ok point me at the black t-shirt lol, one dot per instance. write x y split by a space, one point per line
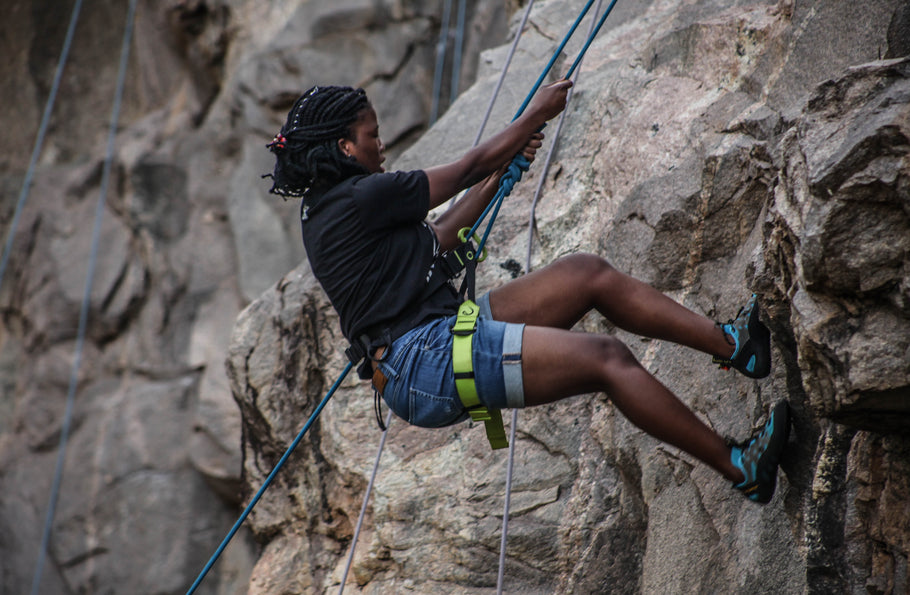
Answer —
372 251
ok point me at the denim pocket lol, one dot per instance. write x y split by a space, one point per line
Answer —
422 388
432 411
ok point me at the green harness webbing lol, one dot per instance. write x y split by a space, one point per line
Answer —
462 353
463 366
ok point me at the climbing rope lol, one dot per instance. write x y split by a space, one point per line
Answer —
512 176
268 480
507 500
42 132
457 53
500 80
441 46
86 298
531 224
502 73
509 179
366 500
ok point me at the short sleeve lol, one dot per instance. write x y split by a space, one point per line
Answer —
392 199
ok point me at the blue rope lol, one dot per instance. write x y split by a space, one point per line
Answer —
513 175
537 84
268 480
590 40
39 140
86 298
556 54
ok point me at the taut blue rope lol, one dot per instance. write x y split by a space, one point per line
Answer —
516 168
509 179
268 480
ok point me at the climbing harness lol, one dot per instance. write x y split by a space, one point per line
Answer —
361 348
463 367
462 354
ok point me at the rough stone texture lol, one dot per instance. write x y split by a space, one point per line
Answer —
713 149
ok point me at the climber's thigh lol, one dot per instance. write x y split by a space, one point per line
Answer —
557 363
558 295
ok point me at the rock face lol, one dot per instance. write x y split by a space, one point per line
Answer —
712 149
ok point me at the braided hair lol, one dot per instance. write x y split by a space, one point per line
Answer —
306 149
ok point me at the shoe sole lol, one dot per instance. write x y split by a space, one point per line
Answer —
762 491
758 335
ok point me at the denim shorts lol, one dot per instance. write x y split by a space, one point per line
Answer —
421 383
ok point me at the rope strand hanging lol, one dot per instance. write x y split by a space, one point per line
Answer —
509 179
268 480
366 500
441 45
39 139
366 497
86 298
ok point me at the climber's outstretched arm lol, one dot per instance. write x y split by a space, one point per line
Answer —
468 209
487 157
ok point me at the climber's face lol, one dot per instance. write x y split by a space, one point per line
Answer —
365 145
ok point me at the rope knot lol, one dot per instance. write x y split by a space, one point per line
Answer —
517 167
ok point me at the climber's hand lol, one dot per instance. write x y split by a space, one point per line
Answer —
551 100
530 149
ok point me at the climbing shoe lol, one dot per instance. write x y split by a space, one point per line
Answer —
758 457
751 340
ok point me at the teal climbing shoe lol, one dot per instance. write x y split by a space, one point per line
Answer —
759 457
751 340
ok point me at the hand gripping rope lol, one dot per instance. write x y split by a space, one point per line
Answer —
462 364
513 174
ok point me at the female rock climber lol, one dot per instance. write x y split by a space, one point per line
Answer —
372 249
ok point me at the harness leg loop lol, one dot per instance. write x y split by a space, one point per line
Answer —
463 367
